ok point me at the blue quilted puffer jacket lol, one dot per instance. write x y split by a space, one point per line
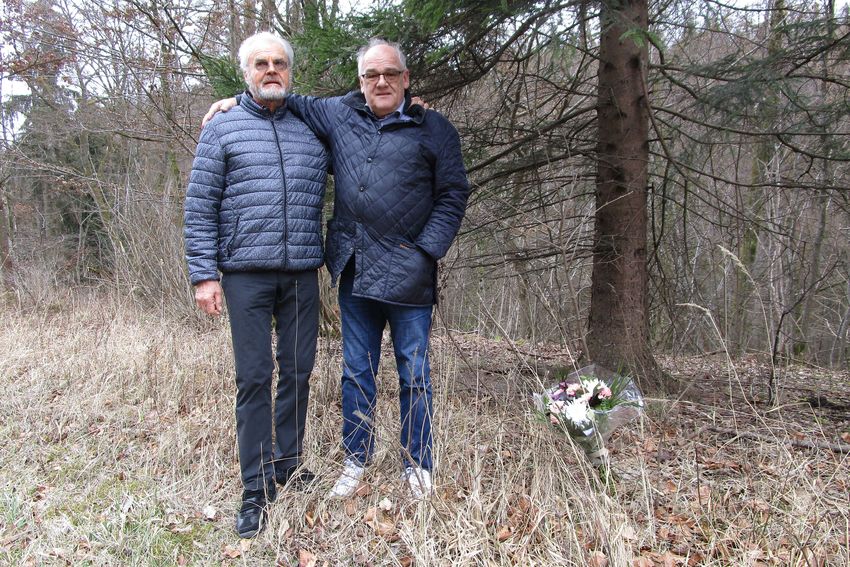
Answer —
400 194
255 194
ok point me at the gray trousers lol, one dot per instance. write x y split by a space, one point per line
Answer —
258 302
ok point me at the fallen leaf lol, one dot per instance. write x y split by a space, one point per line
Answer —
306 558
177 528
503 533
385 530
524 503
363 490
381 525
628 533
663 455
245 544
350 507
757 504
40 492
669 559
598 559
406 561
642 562
230 552
310 518
845 436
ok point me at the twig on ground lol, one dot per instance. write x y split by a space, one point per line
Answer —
836 447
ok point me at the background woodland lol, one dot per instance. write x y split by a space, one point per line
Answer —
746 181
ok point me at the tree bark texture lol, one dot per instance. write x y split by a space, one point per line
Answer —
7 273
618 327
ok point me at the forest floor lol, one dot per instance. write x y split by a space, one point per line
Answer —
118 448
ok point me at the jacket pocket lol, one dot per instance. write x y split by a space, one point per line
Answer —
410 275
230 243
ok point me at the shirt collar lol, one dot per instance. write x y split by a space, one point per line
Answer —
396 115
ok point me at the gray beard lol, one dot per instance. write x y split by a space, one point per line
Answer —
270 94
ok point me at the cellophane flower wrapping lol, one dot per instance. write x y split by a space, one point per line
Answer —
589 405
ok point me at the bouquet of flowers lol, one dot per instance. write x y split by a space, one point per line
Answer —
588 405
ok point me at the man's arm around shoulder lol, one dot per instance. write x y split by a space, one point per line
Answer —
319 114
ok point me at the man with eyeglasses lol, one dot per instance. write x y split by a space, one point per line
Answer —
253 232
400 195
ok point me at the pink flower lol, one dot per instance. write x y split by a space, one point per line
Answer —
605 393
553 419
573 388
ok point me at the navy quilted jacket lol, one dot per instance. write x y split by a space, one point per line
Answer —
400 195
255 194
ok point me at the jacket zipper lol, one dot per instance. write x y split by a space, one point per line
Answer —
285 195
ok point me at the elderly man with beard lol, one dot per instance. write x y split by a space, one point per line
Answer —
253 224
400 196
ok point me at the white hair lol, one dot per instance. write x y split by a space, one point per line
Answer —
259 40
374 42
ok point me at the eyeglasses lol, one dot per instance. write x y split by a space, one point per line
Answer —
374 76
263 64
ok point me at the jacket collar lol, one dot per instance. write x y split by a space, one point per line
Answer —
357 101
255 108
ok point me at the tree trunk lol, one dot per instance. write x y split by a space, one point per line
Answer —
618 327
750 234
269 16
7 268
249 22
822 202
234 29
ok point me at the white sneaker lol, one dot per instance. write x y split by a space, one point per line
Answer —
349 480
419 481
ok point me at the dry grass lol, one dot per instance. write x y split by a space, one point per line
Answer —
119 449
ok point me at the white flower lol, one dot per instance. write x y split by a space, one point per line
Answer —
577 412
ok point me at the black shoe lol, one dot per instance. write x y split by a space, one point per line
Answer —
254 512
299 477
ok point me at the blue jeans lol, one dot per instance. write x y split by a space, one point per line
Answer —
363 322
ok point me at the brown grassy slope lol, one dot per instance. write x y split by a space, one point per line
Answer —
118 448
